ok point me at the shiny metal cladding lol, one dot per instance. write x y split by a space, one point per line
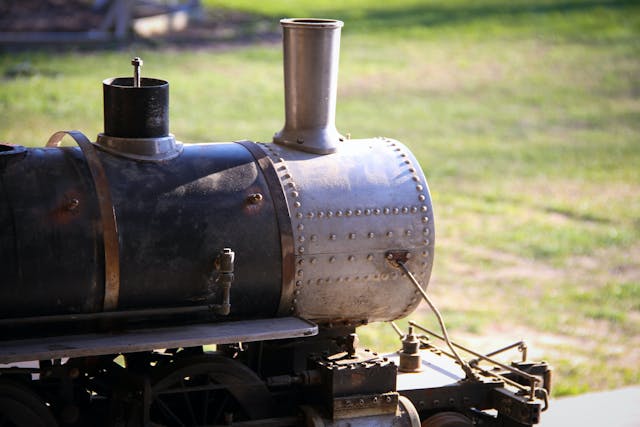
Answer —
311 54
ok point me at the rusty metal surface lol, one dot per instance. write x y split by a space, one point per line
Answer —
107 216
284 224
149 339
173 219
49 204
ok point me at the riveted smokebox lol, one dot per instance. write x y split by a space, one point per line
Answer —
311 55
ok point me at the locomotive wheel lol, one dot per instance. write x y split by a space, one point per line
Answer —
21 407
207 390
447 419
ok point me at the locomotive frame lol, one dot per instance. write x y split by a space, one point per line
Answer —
116 345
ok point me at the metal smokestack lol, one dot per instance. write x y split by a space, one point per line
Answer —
311 55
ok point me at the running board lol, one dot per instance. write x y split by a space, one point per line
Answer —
154 338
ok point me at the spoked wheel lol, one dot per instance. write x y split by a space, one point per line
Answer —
447 419
21 407
207 390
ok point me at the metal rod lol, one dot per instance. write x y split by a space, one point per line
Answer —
484 371
137 65
531 378
395 328
465 366
520 344
481 356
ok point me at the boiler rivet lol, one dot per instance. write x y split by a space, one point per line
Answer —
300 227
425 219
349 212
313 261
254 198
358 212
314 237
310 215
339 213
352 258
73 204
376 211
405 210
371 235
424 208
370 257
419 187
296 204
332 237
294 193
421 197
386 211
332 259
301 239
389 233
329 214
367 212
352 236
301 249
396 211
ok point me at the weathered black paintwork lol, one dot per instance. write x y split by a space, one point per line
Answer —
136 112
173 219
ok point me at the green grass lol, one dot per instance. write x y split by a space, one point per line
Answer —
526 120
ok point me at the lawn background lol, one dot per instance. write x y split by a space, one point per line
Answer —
525 117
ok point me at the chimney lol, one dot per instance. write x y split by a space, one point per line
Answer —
311 54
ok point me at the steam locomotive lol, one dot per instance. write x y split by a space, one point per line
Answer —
150 282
